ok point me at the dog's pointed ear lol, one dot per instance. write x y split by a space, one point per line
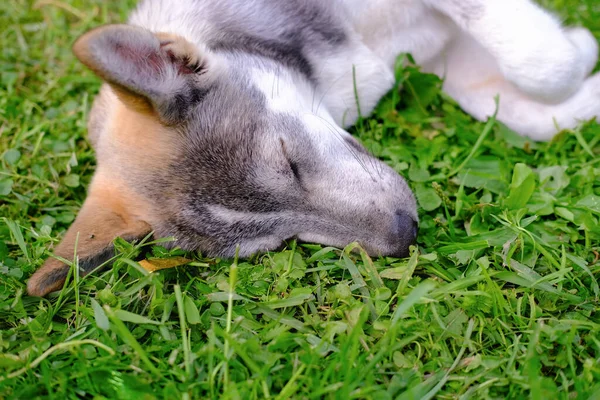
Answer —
105 215
155 72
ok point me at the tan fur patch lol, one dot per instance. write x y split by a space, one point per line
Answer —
42 282
132 146
129 147
110 210
137 140
126 137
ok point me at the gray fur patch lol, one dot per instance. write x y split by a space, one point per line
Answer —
253 169
290 32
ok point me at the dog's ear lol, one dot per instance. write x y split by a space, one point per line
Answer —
154 72
106 214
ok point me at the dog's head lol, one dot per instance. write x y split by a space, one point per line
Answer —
220 150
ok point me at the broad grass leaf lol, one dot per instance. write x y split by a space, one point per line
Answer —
224 296
6 186
15 230
478 225
12 156
514 139
565 213
216 309
280 261
100 315
423 90
291 262
453 248
71 180
127 316
14 272
359 282
591 202
296 297
371 269
341 291
416 174
420 390
3 250
382 293
298 266
527 277
457 285
416 295
455 321
402 361
323 347
496 237
8 79
10 361
554 178
116 385
581 263
429 257
541 203
484 172
191 311
324 253
282 318
394 273
585 219
428 198
521 187
584 176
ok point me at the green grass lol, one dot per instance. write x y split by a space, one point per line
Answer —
499 300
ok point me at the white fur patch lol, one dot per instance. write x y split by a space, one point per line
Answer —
291 94
534 64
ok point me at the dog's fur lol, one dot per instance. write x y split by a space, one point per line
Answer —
220 122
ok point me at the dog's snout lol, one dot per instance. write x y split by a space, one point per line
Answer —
406 227
405 230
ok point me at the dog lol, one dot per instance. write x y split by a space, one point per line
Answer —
221 122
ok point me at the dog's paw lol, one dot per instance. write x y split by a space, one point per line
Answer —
587 45
591 86
555 68
583 106
186 54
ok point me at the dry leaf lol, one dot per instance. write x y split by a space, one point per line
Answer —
157 264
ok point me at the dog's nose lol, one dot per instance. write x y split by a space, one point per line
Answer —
406 226
405 230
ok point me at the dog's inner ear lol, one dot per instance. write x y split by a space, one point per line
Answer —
107 213
151 72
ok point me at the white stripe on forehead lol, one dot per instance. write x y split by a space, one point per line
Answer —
290 93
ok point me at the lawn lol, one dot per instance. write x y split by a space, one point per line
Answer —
499 299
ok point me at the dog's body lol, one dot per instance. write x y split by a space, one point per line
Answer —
507 48
221 121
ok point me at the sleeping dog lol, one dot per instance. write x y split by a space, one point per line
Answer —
221 122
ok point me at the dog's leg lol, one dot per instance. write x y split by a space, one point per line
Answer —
473 78
532 50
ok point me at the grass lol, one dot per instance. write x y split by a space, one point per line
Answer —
499 299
